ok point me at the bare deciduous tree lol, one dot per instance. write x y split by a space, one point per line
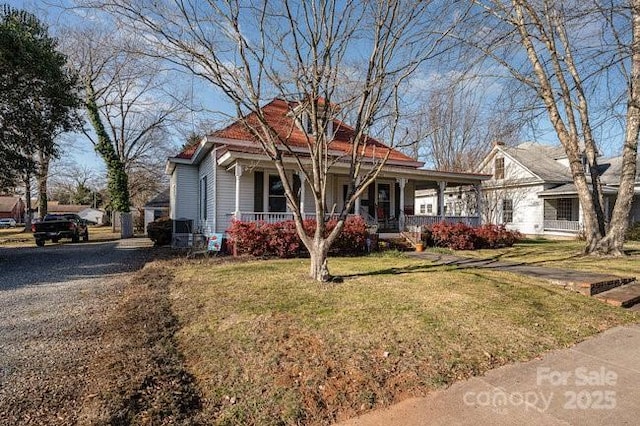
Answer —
304 51
463 120
133 107
570 54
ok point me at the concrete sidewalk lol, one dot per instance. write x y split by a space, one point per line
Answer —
592 383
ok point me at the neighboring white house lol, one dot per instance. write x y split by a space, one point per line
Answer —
99 217
156 208
531 190
226 175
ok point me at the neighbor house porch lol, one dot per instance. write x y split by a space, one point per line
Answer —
563 212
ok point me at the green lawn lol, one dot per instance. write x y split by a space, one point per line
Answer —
268 346
564 254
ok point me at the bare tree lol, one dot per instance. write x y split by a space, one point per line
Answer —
320 54
570 54
132 106
68 179
463 121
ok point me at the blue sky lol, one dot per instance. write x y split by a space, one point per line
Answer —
203 94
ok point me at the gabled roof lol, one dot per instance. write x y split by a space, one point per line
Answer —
541 160
277 114
611 168
160 200
7 203
54 207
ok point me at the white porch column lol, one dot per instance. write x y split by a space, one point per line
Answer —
479 201
401 183
238 170
303 183
356 207
441 187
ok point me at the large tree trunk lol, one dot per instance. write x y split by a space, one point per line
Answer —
117 179
27 196
319 270
42 176
613 242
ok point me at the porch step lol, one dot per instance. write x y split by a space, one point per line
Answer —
602 285
396 242
625 296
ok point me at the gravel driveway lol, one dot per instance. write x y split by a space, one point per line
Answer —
53 305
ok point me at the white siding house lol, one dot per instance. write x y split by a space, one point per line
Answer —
225 176
531 190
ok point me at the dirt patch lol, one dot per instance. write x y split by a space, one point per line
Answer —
140 378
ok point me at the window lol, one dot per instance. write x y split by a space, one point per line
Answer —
507 211
203 198
498 168
422 209
306 123
277 200
564 209
429 208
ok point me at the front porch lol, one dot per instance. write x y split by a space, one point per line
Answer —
388 204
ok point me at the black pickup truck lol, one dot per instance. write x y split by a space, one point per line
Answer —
56 226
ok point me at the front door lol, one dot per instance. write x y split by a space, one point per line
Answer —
384 200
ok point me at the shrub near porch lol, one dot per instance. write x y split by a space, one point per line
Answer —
269 346
280 239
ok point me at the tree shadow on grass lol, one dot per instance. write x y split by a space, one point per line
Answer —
448 262
422 268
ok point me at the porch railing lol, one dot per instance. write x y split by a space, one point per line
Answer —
562 225
411 221
272 217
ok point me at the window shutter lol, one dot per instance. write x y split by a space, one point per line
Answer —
258 191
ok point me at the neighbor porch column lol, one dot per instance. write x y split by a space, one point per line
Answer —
441 187
238 170
479 201
302 194
401 183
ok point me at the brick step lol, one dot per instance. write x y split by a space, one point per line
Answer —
601 285
625 296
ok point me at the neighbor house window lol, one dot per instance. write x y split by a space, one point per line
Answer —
498 168
564 209
422 209
277 199
507 211
203 198
429 208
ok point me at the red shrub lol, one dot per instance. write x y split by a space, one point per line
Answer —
281 239
353 237
456 236
496 236
459 236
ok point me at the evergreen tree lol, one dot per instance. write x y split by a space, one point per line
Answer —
38 95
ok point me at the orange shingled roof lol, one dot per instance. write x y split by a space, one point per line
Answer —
277 114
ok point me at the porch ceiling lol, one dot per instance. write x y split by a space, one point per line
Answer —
423 178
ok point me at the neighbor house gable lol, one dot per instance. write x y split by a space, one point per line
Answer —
529 162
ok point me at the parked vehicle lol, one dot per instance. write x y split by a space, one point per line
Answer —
56 226
7 223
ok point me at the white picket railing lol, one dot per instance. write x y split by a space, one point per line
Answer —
412 221
562 225
273 217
